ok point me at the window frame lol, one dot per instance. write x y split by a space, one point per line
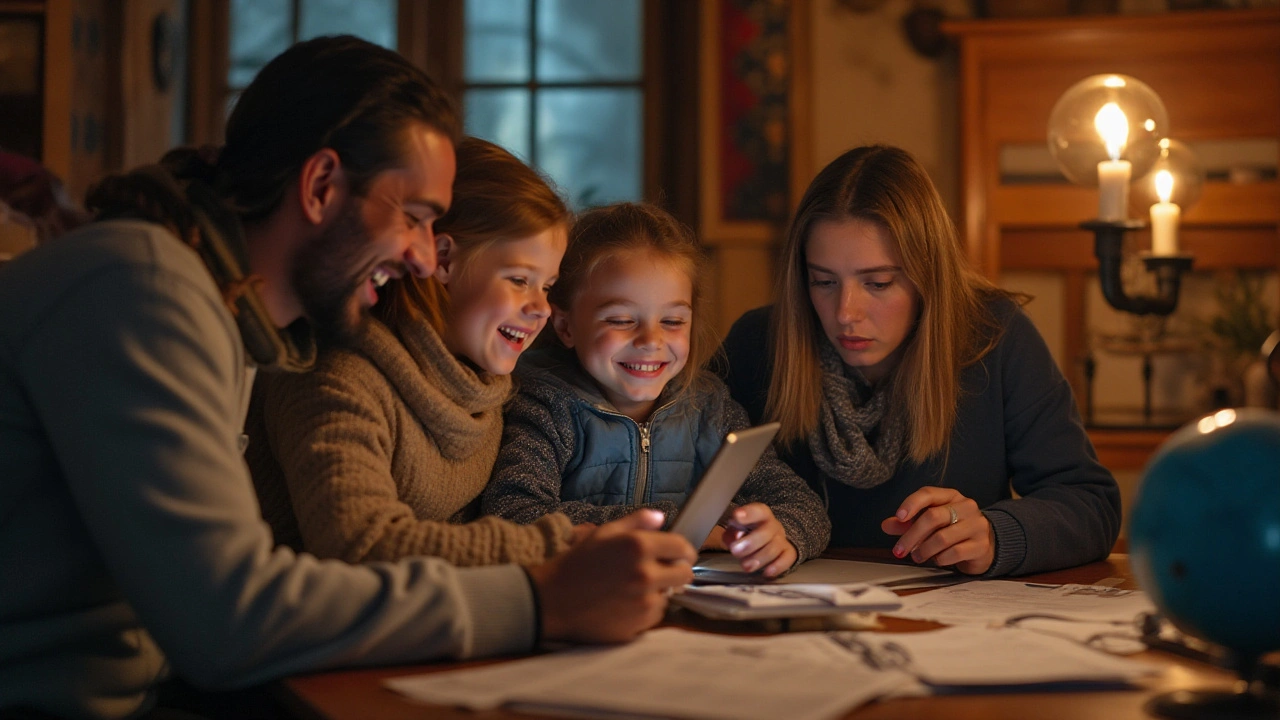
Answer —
430 34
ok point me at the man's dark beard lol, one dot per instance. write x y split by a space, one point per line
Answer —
330 271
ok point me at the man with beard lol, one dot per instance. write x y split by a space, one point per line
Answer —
130 537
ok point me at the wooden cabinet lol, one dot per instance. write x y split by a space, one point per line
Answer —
1218 73
100 105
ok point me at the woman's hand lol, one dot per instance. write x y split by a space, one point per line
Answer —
942 525
758 540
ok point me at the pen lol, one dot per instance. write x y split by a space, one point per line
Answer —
1041 585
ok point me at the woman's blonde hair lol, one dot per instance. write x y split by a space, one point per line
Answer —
626 227
886 186
496 198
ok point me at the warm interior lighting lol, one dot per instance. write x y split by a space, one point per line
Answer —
1220 419
1164 185
1113 126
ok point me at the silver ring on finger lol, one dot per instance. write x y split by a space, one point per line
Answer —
955 518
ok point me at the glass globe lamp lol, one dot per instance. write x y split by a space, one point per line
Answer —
1104 131
1186 178
1103 118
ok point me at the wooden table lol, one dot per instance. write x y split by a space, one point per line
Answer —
359 695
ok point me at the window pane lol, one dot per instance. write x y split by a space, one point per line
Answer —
501 116
497 41
373 20
589 40
260 30
589 141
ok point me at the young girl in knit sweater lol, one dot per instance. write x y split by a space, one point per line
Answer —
623 414
383 450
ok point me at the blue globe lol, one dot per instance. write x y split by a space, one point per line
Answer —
1205 530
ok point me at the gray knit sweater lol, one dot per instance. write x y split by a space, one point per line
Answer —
564 441
130 537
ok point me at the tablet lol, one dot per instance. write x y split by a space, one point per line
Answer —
734 460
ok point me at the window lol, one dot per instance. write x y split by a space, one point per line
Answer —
565 84
561 84
262 29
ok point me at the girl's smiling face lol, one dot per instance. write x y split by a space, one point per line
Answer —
629 325
498 298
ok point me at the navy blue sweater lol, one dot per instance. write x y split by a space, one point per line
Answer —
1017 430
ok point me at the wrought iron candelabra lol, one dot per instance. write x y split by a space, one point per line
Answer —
1168 269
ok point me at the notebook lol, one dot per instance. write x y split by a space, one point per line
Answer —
734 460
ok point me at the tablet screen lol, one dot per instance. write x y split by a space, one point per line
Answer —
729 468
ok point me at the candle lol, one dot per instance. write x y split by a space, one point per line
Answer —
1164 217
1113 190
1113 174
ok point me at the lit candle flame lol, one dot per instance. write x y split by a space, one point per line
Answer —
1113 126
1164 185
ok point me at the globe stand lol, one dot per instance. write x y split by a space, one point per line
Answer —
1259 700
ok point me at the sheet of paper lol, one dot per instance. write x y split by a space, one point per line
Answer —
999 601
724 568
675 673
490 686
1113 638
799 595
976 657
764 601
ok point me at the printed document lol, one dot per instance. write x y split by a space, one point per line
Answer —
984 657
807 676
749 602
1000 602
674 673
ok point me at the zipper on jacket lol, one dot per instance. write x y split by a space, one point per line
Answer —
642 470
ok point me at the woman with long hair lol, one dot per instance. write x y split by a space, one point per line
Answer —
912 392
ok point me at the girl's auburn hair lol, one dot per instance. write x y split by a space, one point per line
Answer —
955 328
625 228
496 198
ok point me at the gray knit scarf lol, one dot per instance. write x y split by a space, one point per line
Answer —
851 410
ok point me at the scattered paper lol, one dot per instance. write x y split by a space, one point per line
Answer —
982 657
1007 634
750 602
1002 602
674 673
1109 637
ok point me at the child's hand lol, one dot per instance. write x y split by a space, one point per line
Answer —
758 540
715 540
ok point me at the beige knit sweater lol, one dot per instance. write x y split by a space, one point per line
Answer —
382 452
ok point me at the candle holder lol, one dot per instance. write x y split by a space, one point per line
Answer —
1168 269
1104 131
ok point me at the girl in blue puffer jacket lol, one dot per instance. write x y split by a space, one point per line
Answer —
623 414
